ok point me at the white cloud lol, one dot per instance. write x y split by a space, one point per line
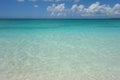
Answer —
78 9
95 9
27 0
116 9
57 10
36 6
20 0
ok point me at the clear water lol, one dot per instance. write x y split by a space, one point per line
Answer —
59 49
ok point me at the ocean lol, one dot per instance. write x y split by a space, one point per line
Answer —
59 49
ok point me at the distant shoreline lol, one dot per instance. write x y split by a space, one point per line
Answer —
59 18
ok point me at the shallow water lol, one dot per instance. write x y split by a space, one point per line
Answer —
59 49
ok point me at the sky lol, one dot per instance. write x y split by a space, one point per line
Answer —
59 8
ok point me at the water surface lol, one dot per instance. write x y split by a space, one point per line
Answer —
59 49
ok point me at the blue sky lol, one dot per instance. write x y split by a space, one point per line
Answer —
59 8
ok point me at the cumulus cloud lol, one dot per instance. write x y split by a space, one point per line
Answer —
95 9
57 10
116 9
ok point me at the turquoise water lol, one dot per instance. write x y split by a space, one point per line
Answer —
59 49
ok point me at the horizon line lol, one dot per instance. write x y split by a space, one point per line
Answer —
56 18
